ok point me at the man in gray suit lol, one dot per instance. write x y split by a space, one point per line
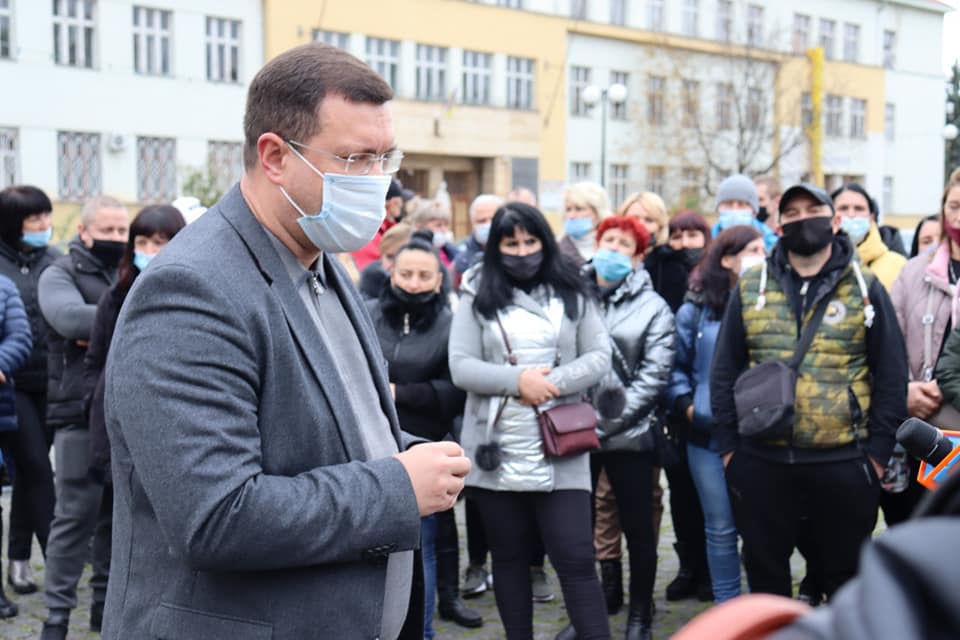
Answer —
262 489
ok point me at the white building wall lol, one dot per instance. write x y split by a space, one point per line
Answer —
112 99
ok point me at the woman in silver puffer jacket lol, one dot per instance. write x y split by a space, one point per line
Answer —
560 349
642 332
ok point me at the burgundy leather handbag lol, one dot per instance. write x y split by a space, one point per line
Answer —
565 429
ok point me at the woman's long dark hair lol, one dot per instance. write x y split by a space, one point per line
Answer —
495 289
710 278
156 218
915 245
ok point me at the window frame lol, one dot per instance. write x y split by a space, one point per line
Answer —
142 33
7 46
91 173
85 26
157 174
223 47
828 44
656 100
338 39
851 42
802 24
9 157
755 18
619 111
691 18
578 107
383 55
619 181
432 68
725 20
476 78
520 83
858 119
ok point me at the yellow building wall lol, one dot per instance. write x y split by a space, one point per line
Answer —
839 78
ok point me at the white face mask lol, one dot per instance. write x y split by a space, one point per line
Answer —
441 238
748 262
351 214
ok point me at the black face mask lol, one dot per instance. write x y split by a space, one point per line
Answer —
808 236
522 268
763 214
691 257
108 252
412 299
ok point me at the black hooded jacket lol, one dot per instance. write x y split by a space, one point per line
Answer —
414 342
669 270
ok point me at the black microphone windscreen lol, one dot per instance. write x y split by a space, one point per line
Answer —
924 441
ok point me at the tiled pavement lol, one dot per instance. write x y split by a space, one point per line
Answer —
549 618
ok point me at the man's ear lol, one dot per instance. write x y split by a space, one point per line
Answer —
271 156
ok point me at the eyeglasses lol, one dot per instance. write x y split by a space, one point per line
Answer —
361 164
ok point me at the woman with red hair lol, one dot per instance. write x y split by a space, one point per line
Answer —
641 331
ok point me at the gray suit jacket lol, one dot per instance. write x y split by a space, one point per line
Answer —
244 507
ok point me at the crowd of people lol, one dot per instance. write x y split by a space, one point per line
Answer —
552 377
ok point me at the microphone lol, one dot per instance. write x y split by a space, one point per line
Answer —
938 450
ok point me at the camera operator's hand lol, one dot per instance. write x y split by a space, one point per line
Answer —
534 386
437 471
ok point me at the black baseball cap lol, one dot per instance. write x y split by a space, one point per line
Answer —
805 189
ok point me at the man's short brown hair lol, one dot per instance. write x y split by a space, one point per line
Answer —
772 184
285 96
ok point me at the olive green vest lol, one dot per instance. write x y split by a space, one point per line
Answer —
834 365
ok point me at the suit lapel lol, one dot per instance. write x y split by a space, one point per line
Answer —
302 327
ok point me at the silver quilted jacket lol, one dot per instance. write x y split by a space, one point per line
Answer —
539 331
642 326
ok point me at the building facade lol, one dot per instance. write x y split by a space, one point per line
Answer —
122 98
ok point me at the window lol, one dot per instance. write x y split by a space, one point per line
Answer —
151 41
889 121
690 185
691 102
73 31
833 115
156 169
619 111
476 77
333 38
887 204
579 79
691 17
579 171
655 180
889 49
619 174
431 72
827 37
384 56
6 15
618 12
851 42
754 25
578 9
755 109
9 175
519 83
655 90
724 20
510 4
223 50
78 165
724 105
806 110
858 118
655 15
224 163
801 34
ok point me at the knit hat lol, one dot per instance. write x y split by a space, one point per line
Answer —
738 187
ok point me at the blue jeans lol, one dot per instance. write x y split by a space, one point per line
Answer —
428 545
706 467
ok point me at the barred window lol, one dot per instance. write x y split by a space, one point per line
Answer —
519 83
333 38
78 165
619 111
6 36
74 25
858 118
431 72
384 56
579 80
151 41
223 50
9 165
225 163
477 69
156 169
619 175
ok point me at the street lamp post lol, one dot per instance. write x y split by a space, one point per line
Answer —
616 94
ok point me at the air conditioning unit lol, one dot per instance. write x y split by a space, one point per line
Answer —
116 142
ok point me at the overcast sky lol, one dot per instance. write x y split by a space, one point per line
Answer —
951 36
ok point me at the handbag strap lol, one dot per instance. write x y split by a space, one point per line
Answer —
512 359
928 319
806 336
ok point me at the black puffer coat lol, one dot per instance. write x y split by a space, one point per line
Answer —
414 342
669 271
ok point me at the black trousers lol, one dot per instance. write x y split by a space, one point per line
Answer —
565 522
477 547
28 453
631 479
687 516
839 500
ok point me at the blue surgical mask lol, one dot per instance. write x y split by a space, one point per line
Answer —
37 239
482 233
577 227
735 217
612 265
141 260
351 214
856 228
